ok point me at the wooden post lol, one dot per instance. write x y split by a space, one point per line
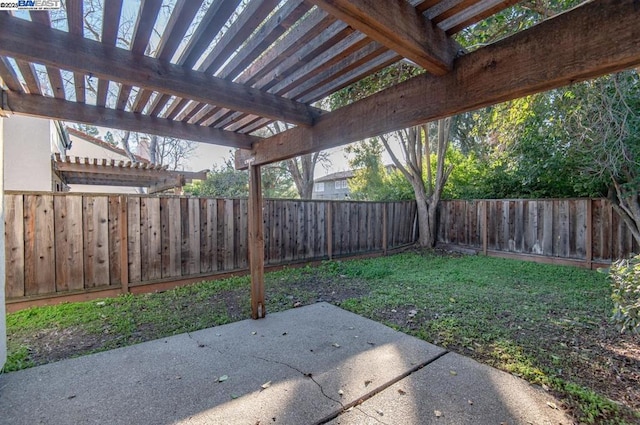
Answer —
485 231
588 240
330 230
3 327
256 243
385 236
123 221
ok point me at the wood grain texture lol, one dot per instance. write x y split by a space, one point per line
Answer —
522 64
96 244
400 27
69 243
14 246
26 41
39 250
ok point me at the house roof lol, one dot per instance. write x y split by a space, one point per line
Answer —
340 175
218 72
101 143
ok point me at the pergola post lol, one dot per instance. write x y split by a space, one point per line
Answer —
256 243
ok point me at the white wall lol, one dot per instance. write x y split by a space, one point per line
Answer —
27 152
3 323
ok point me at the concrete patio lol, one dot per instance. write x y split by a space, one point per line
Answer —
310 365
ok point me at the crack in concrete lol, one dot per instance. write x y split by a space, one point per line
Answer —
203 345
306 375
378 390
370 416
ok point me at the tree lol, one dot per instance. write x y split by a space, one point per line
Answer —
415 145
277 181
368 178
605 126
301 168
221 182
170 151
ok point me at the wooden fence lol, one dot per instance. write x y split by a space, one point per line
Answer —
568 231
62 244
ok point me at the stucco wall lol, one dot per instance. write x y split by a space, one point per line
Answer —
27 152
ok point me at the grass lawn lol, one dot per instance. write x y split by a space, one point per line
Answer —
547 324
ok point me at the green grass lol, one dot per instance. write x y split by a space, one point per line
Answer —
539 322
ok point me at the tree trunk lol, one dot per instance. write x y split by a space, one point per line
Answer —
427 216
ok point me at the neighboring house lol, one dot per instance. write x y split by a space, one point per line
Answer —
44 156
332 186
29 143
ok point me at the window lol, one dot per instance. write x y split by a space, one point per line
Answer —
319 187
341 184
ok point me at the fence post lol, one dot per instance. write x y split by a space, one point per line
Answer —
589 236
485 231
385 239
124 243
329 230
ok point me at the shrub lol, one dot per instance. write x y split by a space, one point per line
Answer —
625 281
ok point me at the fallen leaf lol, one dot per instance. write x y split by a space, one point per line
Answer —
223 378
297 304
393 310
380 412
265 385
453 372
366 383
437 413
452 300
552 405
401 391
234 396
335 344
412 313
341 393
545 387
254 333
470 402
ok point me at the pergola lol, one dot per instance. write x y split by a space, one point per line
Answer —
221 73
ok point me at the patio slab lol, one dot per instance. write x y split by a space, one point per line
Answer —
301 366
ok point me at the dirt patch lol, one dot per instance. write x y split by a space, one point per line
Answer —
51 345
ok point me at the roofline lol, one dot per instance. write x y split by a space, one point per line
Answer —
103 144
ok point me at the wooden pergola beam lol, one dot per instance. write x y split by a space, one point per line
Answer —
104 117
35 43
397 25
555 53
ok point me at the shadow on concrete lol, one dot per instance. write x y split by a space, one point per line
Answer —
302 366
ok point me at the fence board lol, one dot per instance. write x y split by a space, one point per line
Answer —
133 236
69 243
229 231
114 241
39 255
151 239
14 245
170 236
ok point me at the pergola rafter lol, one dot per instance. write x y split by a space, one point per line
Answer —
221 71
